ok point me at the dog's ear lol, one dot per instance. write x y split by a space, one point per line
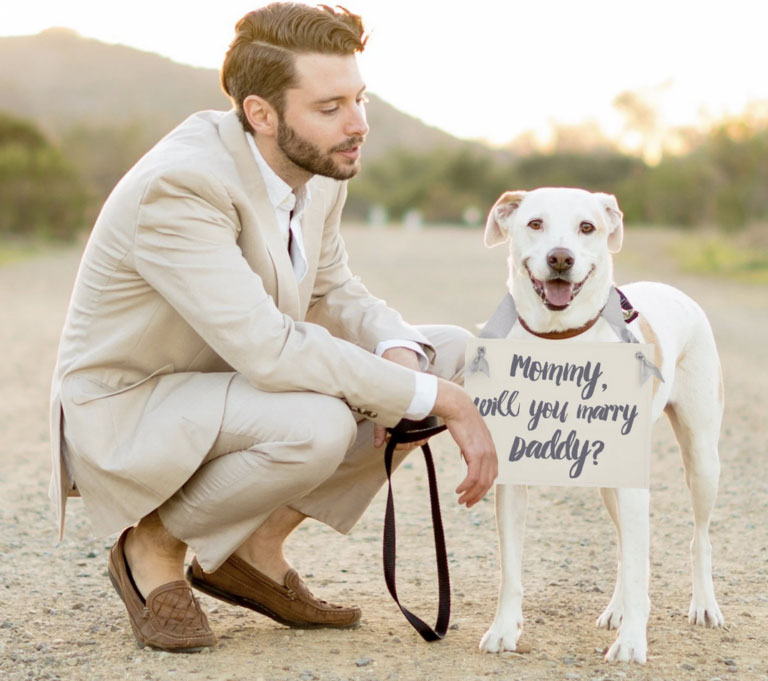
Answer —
496 227
614 220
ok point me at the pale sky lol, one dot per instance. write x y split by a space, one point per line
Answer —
485 69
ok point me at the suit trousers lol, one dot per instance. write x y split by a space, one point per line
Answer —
301 449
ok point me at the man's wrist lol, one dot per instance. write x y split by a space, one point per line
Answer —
424 397
448 399
385 348
425 385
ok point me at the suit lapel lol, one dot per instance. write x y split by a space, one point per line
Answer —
312 225
287 293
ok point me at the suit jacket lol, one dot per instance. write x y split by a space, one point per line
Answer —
184 281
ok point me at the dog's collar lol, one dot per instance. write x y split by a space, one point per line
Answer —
628 314
618 312
561 335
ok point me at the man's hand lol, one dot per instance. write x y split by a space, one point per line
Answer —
408 358
470 433
466 426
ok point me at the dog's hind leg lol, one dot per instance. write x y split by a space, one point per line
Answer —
611 616
695 410
697 429
631 640
511 504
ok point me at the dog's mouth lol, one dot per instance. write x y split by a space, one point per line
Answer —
557 293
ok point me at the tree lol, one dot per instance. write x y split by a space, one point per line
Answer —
444 185
103 153
40 192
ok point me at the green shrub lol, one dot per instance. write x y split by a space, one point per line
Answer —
40 192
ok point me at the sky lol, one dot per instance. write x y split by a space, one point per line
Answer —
485 69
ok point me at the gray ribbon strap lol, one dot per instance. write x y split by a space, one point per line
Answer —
502 320
614 315
647 369
480 363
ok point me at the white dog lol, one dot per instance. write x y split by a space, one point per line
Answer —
561 273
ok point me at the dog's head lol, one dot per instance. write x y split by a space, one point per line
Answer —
560 244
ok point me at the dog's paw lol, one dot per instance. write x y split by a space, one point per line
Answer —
628 648
502 637
706 614
611 617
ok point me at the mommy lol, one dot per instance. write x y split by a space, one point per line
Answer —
585 375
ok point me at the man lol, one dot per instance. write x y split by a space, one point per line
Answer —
220 370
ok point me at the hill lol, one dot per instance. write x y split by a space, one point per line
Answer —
66 82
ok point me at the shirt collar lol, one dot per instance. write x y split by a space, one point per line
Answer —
281 196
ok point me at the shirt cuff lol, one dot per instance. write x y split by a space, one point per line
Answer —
382 347
424 397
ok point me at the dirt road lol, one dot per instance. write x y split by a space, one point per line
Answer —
60 619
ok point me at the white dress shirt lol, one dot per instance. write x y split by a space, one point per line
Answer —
289 206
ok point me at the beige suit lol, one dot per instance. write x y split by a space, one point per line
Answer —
185 283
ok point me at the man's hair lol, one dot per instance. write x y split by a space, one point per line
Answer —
261 59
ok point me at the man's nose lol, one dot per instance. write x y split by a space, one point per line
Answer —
357 124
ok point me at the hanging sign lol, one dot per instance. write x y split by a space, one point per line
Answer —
575 414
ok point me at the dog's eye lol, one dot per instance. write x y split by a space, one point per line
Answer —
535 224
586 228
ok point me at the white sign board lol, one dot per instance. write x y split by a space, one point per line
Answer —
575 414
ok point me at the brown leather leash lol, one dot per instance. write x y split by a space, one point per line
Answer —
404 432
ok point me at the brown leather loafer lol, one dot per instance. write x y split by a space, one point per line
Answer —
171 618
238 583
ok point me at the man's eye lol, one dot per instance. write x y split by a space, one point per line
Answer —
330 110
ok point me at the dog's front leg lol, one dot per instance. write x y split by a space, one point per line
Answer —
511 504
631 641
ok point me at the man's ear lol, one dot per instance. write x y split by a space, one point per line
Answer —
614 220
261 115
497 225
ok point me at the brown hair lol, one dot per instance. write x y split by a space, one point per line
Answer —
260 60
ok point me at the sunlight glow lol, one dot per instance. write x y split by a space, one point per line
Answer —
490 70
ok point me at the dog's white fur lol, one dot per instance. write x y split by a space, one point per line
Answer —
588 228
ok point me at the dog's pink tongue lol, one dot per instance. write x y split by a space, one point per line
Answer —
558 292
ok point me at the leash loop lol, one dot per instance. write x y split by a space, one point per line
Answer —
404 432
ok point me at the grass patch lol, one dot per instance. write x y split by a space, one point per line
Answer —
12 251
715 255
17 248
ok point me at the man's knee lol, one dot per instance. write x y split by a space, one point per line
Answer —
333 431
450 343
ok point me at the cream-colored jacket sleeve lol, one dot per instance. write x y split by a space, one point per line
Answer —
186 249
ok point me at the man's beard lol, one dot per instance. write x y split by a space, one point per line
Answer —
308 156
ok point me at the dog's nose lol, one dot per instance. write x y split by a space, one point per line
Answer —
560 259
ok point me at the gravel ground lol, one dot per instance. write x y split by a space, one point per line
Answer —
60 619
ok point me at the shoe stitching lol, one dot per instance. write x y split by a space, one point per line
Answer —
174 613
310 601
170 617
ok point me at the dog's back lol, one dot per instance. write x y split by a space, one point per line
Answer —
685 349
